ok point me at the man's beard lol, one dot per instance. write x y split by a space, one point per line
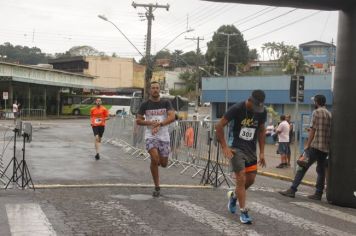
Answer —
155 95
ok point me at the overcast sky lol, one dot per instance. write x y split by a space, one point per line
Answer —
56 26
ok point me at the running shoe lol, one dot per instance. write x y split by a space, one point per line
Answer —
231 205
97 156
245 218
156 192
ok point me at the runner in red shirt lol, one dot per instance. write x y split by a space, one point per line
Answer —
98 115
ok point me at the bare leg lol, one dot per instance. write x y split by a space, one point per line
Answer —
155 160
250 179
97 143
241 188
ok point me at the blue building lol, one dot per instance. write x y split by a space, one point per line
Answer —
215 89
319 55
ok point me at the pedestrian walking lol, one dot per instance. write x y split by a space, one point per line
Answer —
317 148
283 141
249 118
156 114
98 115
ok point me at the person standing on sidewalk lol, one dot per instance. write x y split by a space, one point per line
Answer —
291 136
156 114
98 115
317 147
15 110
283 141
249 124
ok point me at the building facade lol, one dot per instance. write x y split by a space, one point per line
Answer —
109 72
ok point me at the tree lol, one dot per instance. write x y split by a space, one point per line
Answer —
190 79
84 51
239 51
252 55
22 54
291 59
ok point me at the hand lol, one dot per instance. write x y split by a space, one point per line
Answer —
155 130
155 123
228 152
262 161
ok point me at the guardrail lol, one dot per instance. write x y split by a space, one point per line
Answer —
193 148
24 114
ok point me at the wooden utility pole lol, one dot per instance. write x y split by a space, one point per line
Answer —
149 67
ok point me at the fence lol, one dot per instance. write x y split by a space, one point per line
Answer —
193 148
24 114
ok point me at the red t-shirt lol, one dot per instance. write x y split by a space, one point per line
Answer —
98 116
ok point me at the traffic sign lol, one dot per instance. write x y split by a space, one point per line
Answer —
5 95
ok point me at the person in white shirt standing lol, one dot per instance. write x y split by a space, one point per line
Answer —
283 141
15 110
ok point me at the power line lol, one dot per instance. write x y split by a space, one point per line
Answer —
284 26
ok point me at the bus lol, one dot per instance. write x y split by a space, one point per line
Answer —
81 104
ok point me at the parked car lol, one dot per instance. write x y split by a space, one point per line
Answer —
191 104
206 104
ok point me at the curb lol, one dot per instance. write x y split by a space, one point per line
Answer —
283 177
104 185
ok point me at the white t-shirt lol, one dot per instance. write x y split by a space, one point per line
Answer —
283 136
15 108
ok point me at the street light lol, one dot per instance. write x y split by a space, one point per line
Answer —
186 31
226 69
106 19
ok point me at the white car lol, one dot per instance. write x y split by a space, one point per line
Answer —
206 104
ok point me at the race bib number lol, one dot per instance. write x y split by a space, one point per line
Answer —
97 120
247 133
156 118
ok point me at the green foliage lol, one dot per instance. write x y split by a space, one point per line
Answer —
190 79
178 92
291 59
239 51
22 54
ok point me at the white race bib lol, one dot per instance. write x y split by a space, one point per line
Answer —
247 133
97 120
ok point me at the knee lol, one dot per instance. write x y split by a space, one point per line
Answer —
154 162
164 164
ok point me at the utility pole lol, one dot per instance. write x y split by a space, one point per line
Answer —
197 92
149 67
226 69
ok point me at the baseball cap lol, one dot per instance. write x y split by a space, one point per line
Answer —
258 98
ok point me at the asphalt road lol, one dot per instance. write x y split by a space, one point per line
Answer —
112 196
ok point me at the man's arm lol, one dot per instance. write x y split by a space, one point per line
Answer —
170 118
140 120
219 127
311 136
261 143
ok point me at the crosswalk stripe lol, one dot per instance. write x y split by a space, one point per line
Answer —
327 211
299 222
28 219
127 218
217 222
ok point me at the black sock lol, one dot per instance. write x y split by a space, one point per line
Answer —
157 188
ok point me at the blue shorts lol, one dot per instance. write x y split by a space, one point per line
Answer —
284 149
162 147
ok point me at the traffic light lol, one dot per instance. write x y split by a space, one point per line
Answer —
293 88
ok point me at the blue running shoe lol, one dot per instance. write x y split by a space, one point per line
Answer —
231 205
245 218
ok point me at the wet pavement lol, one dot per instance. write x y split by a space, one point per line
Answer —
77 195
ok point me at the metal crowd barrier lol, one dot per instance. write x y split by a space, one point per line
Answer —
193 147
27 114
24 114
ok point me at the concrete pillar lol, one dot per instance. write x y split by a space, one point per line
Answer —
342 166
45 100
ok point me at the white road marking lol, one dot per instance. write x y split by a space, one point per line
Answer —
327 211
126 220
217 222
28 219
297 221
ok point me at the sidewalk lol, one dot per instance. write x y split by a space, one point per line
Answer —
273 159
